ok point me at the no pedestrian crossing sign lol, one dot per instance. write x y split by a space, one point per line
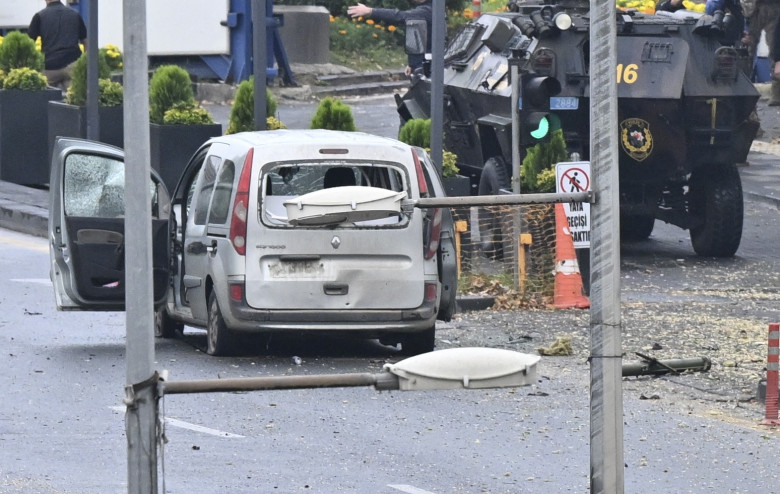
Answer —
574 176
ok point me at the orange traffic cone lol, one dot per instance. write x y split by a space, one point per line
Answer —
568 282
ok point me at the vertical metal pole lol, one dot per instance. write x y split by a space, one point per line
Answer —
259 62
141 414
517 249
437 82
93 90
514 79
606 394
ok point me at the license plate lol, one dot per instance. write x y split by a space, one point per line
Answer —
564 103
296 269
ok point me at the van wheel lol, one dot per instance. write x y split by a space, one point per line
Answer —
219 339
417 343
164 326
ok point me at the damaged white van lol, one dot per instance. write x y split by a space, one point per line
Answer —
273 231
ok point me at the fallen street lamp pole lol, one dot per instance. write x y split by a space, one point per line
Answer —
501 200
455 368
650 366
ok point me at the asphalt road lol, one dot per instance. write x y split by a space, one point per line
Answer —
62 424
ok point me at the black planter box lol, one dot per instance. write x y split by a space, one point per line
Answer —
24 157
71 121
172 146
457 186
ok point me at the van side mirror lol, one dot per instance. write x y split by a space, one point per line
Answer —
416 37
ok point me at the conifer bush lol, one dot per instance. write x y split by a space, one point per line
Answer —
242 114
169 85
333 114
18 50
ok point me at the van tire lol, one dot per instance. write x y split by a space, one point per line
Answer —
220 341
417 343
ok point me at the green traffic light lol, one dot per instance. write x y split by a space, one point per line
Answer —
542 130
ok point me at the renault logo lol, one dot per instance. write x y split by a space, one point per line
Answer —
335 242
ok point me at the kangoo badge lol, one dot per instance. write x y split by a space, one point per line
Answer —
636 139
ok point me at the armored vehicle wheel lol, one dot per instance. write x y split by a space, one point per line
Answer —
636 227
715 205
164 326
492 180
219 339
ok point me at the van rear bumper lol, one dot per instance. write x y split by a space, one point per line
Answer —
241 317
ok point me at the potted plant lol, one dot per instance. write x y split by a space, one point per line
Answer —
242 113
178 126
24 95
417 132
68 118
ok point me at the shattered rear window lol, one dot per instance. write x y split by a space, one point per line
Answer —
285 181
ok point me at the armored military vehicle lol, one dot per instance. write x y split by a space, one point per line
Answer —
684 110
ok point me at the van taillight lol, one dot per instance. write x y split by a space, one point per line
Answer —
430 292
421 183
241 207
432 232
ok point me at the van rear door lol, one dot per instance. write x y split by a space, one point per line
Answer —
324 242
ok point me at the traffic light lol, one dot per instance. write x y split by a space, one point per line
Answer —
536 120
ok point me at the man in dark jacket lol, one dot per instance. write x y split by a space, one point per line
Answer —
61 29
421 11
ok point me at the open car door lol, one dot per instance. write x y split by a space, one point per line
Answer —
87 227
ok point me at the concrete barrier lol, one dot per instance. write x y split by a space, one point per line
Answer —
305 32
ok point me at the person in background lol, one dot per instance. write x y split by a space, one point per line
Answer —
775 48
61 29
669 5
421 11
762 15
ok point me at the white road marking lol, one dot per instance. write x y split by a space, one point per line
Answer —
40 281
409 489
192 427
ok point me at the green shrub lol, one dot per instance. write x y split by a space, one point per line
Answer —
449 164
17 51
113 57
536 167
332 114
242 114
416 132
170 84
273 123
187 114
26 79
2 78
110 92
77 91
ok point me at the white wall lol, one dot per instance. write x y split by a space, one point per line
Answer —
174 27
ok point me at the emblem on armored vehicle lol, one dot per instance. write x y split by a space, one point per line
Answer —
636 139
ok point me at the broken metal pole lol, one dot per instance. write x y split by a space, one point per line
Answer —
654 367
382 382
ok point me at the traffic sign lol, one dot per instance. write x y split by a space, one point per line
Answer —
574 176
